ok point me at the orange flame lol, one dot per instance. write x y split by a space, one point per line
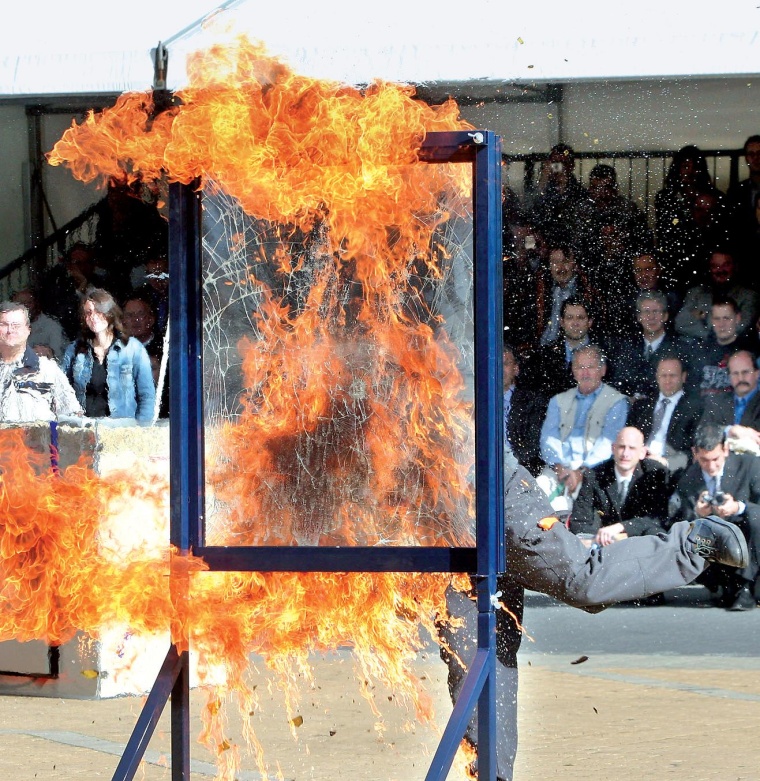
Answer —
372 374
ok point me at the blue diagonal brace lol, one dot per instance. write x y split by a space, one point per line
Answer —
461 715
151 712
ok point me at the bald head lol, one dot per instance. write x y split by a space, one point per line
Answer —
628 449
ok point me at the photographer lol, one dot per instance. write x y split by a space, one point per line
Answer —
727 485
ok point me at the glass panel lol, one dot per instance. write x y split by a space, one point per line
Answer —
338 384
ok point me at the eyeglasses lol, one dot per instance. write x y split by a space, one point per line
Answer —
13 326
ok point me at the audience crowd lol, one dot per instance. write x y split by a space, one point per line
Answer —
631 354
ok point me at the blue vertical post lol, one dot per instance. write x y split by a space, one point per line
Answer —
489 425
186 436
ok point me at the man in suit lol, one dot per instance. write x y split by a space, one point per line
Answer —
625 496
739 411
741 201
669 419
727 485
633 369
549 368
524 412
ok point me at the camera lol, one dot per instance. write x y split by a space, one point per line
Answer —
557 168
717 500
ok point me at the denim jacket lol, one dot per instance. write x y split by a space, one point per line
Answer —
131 393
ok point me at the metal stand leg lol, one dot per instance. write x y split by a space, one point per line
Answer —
171 675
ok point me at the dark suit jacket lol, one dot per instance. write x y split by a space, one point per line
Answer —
741 479
633 374
526 414
683 422
644 511
719 409
547 370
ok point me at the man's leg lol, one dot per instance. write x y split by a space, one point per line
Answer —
459 649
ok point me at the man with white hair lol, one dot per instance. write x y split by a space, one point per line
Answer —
580 425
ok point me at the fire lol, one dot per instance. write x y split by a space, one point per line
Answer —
354 427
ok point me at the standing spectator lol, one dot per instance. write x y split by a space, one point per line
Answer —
742 205
580 424
561 199
32 387
525 261
626 496
156 290
694 317
63 286
47 337
140 321
727 485
524 411
668 420
614 226
109 371
687 212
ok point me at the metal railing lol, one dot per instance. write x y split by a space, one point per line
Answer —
641 174
25 270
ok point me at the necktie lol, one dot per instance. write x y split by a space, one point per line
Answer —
739 407
659 415
648 351
622 490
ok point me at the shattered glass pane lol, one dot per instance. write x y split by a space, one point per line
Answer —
338 389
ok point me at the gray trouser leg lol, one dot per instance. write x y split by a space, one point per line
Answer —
463 642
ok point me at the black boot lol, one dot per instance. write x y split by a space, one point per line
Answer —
719 541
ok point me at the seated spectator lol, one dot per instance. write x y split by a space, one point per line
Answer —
738 412
109 371
626 496
742 206
581 425
525 260
694 317
727 485
668 420
564 281
524 411
549 369
633 370
722 343
687 213
561 200
32 387
47 337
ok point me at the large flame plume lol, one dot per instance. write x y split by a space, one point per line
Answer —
327 160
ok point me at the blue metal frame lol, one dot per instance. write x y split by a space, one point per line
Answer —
483 150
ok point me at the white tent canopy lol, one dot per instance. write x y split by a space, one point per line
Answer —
84 47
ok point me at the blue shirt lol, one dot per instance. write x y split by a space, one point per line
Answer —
572 452
740 404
